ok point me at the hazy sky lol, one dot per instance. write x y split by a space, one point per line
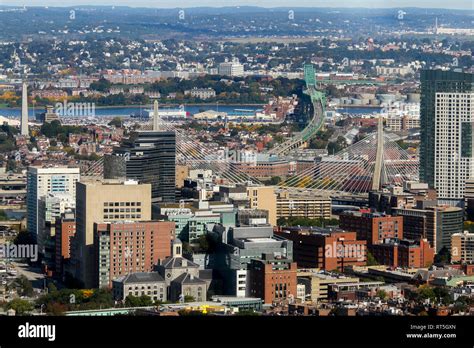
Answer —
455 4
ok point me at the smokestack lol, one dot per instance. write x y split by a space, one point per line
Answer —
24 110
156 125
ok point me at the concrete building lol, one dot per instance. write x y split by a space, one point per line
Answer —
138 284
446 117
462 247
273 279
50 209
237 246
436 223
190 225
264 197
317 283
42 182
231 68
127 247
307 206
107 201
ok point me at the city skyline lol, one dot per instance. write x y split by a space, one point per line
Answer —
438 4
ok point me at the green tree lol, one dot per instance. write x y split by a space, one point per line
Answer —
25 285
275 180
371 261
20 306
382 294
116 121
189 298
426 292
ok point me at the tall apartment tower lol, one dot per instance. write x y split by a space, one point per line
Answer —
42 182
447 142
149 158
99 202
24 110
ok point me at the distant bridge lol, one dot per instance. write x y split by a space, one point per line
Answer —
318 100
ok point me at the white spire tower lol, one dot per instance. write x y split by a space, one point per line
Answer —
24 110
377 179
156 117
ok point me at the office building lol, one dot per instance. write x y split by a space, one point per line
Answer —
107 201
372 227
65 231
273 279
446 117
50 209
264 197
44 181
150 158
435 223
236 246
462 247
325 248
232 69
403 253
317 283
127 247
306 206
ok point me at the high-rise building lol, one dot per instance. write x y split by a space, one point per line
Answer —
150 158
50 208
44 181
435 223
107 201
264 197
65 231
403 253
24 110
446 120
127 247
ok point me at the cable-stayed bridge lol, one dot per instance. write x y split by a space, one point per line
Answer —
366 165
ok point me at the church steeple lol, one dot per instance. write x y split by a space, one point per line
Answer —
177 248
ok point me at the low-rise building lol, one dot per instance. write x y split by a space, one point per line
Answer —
149 284
462 247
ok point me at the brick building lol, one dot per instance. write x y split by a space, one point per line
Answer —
325 248
132 246
65 230
372 227
403 253
272 279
